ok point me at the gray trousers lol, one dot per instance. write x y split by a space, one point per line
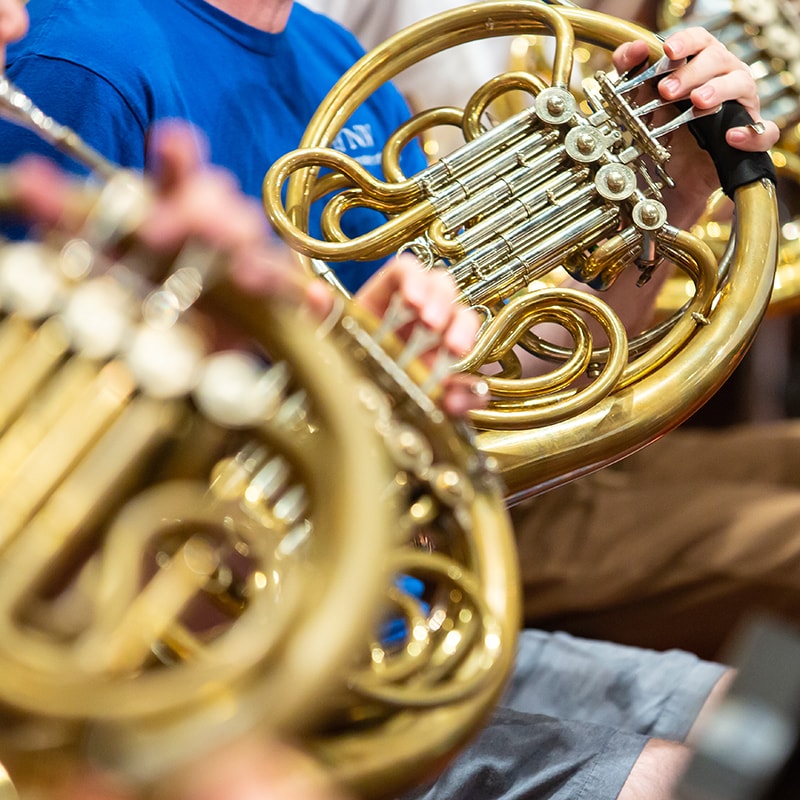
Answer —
574 719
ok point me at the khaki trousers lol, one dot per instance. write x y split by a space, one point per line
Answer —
674 546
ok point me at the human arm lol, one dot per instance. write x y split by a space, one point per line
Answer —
662 763
656 771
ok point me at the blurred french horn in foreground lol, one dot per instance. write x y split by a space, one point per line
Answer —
289 536
549 187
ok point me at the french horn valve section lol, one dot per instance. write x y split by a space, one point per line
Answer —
537 216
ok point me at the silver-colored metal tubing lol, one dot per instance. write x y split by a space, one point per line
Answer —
484 260
524 179
472 155
546 255
464 188
522 207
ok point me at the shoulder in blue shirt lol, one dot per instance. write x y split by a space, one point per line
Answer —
110 69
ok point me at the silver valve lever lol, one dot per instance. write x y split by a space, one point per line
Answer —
663 66
692 113
18 108
658 69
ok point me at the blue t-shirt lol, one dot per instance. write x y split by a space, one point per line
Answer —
109 69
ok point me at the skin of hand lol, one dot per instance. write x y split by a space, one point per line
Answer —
711 76
194 199
13 24
254 768
432 295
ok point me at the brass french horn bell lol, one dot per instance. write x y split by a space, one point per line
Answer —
289 536
558 185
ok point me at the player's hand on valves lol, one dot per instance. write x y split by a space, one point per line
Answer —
202 200
430 300
711 75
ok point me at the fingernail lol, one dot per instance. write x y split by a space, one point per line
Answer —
706 93
736 135
676 46
670 84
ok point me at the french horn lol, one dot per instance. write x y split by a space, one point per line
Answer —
555 185
286 536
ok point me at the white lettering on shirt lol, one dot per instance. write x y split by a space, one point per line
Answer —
355 137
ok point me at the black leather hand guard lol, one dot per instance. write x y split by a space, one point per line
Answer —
735 168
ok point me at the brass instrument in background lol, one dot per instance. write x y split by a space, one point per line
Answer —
765 34
288 536
551 186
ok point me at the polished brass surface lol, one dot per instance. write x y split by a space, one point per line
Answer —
412 701
554 186
290 537
7 789
786 291
127 508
